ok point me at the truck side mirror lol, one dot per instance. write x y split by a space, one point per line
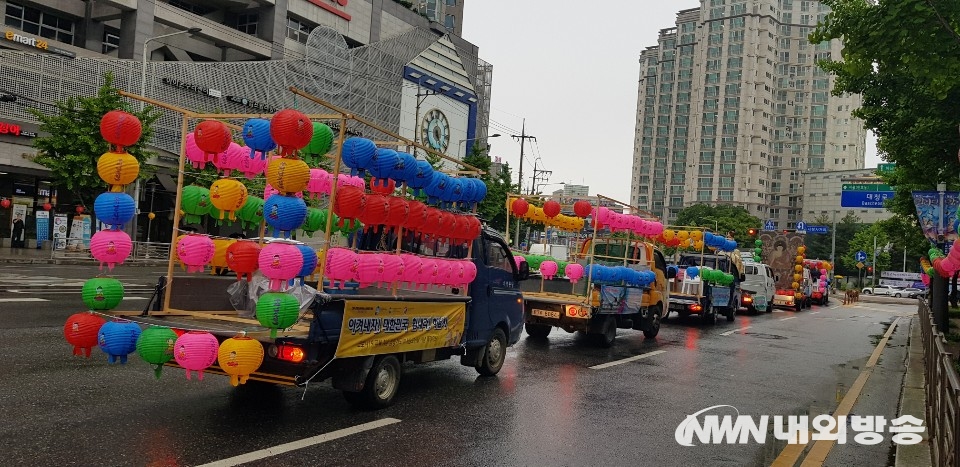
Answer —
524 271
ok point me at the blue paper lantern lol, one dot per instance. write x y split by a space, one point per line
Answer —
693 272
114 209
118 339
597 273
439 188
674 268
469 191
456 189
309 262
284 214
479 191
256 135
383 162
423 176
358 153
405 169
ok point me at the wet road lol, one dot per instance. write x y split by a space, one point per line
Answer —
556 402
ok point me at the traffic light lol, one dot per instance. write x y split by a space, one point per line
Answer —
870 269
751 232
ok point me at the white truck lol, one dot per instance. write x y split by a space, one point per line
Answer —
758 288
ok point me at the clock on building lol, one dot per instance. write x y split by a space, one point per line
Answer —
435 130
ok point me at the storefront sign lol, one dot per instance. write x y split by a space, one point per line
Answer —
14 130
59 231
252 104
193 87
43 226
36 42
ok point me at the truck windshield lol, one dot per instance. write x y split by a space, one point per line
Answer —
609 252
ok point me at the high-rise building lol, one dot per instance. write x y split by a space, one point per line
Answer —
733 109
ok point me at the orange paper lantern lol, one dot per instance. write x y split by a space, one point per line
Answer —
118 169
288 175
228 196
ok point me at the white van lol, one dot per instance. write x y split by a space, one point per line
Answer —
558 252
758 283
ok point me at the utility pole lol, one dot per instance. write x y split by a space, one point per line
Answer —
873 280
833 244
416 121
522 137
538 175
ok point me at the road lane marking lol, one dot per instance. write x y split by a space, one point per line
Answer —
788 317
303 443
735 330
627 360
821 448
814 312
25 299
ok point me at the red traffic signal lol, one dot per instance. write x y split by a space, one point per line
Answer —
869 268
751 232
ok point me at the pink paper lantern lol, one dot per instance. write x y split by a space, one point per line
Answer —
341 266
429 272
196 351
251 168
519 259
574 272
924 278
111 247
468 273
392 268
195 155
320 183
446 269
280 262
950 264
231 159
370 269
548 269
412 264
823 273
195 251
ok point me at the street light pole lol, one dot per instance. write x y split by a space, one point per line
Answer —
495 135
833 243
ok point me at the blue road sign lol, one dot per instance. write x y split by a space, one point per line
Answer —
861 256
817 229
864 199
769 225
801 226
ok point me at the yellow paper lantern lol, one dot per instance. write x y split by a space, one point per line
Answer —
696 235
219 260
799 259
669 235
798 268
826 265
238 357
151 216
796 277
798 295
118 169
698 245
288 175
228 195
801 249
796 285
683 235
173 251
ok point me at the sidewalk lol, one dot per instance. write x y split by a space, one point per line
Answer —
913 402
43 256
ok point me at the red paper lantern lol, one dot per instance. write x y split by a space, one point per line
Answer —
349 203
433 223
520 207
291 130
120 129
375 212
243 258
582 208
417 217
472 228
47 206
399 211
79 209
378 186
81 331
5 203
551 209
448 225
213 138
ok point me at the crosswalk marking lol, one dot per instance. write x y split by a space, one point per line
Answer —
24 299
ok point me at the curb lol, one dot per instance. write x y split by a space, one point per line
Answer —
913 399
77 262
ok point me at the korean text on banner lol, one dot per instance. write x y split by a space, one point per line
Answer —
382 327
43 226
928 211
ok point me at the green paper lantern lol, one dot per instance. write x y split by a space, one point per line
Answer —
316 220
758 242
155 346
756 258
758 251
251 214
102 293
931 271
319 144
349 225
215 214
277 310
195 203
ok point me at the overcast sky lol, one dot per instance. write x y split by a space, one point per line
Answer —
572 72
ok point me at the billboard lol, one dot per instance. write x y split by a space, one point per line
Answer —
931 219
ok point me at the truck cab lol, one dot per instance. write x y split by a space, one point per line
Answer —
758 287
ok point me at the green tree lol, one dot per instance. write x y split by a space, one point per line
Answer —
724 218
73 143
493 208
864 240
905 233
903 58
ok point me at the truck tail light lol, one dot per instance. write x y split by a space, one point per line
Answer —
747 298
572 311
289 353
695 307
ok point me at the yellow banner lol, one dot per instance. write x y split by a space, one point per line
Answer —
382 327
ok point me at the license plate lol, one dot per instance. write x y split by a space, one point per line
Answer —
545 313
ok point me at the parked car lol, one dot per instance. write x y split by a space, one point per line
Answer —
882 290
909 292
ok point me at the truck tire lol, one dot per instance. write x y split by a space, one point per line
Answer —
538 331
731 315
652 327
709 315
494 354
608 332
380 388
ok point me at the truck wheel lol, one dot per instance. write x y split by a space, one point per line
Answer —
538 331
494 354
381 385
709 315
730 315
799 306
608 332
653 324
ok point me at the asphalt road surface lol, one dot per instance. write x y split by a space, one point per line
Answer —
556 402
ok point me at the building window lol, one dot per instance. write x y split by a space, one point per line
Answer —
111 40
248 23
450 21
41 23
451 2
298 30
195 9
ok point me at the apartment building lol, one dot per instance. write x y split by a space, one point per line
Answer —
732 108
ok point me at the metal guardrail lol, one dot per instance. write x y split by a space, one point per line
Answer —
142 251
943 392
